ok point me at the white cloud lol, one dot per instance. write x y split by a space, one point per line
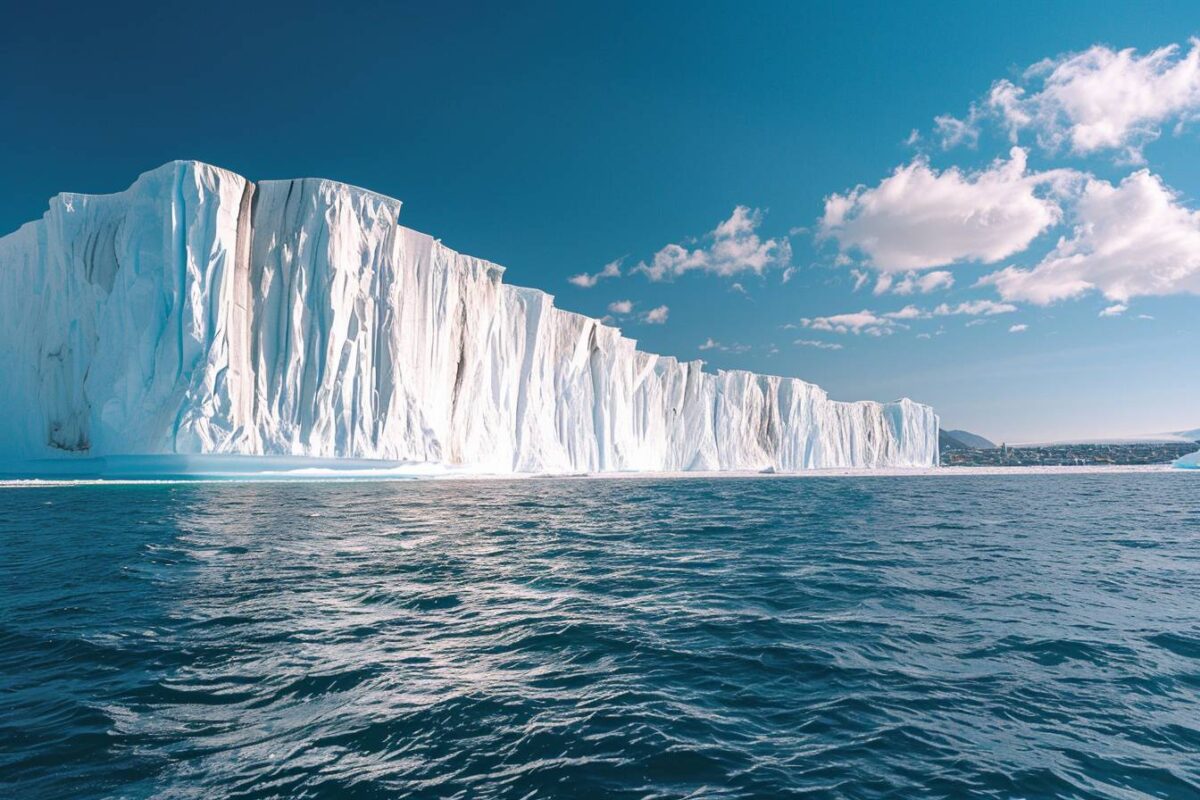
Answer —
733 246
975 308
908 312
1128 240
918 218
855 322
954 131
1102 99
860 278
818 344
883 283
787 274
621 306
737 287
585 281
1018 328
656 316
712 344
1145 316
1115 310
925 284
881 324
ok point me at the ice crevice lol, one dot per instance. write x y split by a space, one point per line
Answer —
199 313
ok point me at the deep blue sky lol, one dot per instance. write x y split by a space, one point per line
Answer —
555 138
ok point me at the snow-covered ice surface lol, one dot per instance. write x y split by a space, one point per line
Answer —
198 313
1190 461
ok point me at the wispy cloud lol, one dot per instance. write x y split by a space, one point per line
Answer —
585 280
856 322
712 344
925 284
954 132
1018 328
975 308
875 323
817 344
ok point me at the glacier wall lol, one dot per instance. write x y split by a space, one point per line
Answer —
200 313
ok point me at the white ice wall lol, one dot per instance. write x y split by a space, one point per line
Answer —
200 313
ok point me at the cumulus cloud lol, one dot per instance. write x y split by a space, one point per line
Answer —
1018 328
1128 240
1115 310
586 281
1102 99
817 344
656 316
621 306
732 247
919 218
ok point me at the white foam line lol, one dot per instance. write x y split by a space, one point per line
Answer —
358 476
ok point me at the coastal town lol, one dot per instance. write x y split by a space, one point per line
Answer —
1058 455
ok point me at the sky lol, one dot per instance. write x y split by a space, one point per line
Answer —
992 208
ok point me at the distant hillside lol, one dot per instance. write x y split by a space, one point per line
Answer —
1147 438
963 440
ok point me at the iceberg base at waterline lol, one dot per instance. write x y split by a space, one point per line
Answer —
1190 461
201 314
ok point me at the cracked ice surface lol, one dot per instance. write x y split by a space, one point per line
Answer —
200 313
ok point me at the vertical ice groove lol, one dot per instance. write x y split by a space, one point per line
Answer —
198 312
242 313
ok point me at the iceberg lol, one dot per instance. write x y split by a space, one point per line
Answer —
198 313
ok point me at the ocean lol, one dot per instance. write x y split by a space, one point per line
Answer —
847 637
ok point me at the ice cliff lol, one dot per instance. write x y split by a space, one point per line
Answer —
200 313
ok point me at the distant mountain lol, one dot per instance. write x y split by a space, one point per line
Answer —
963 440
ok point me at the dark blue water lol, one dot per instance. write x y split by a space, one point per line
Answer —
1032 636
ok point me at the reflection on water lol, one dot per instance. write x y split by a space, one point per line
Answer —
849 637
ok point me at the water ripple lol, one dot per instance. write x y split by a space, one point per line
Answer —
981 636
